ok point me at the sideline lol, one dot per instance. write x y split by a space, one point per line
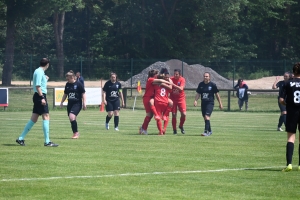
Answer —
136 174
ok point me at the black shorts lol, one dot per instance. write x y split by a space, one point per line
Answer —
38 108
112 105
74 108
207 108
281 107
292 119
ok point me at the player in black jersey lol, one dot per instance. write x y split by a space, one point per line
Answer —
280 84
207 90
75 92
112 91
290 96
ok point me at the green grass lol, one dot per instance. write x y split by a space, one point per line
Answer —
241 160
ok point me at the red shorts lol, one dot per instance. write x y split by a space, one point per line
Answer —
160 107
147 104
180 104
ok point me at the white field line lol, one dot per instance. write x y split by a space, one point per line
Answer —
133 174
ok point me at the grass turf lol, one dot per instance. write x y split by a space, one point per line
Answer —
241 160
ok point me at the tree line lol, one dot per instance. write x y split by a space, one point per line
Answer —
160 29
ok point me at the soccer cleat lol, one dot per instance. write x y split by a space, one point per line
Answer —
50 144
208 133
174 132
116 129
204 133
160 133
144 132
279 129
20 142
107 126
156 117
140 130
75 136
181 129
288 168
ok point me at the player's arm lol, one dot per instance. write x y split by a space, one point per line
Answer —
63 100
167 86
84 101
219 100
181 87
122 97
158 81
104 97
39 91
274 84
196 99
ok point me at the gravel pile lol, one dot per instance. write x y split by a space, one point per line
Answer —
193 74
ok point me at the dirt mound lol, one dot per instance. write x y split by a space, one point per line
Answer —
193 74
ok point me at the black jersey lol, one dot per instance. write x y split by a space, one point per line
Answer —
74 92
291 92
279 85
207 91
112 90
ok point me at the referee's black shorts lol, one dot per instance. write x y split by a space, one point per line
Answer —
112 105
38 108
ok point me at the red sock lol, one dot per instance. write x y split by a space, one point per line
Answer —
168 110
153 109
146 122
166 124
174 123
159 125
182 120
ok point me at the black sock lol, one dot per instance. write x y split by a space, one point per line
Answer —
289 152
74 126
280 121
107 119
284 119
116 120
207 125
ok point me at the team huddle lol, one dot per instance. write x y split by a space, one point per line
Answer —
163 94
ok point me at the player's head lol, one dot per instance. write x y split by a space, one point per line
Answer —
70 76
296 69
240 82
44 62
287 76
177 73
113 77
206 77
164 71
77 74
152 73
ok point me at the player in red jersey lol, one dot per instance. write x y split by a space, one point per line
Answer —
162 101
178 97
148 100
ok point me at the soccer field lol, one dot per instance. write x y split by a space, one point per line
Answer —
241 160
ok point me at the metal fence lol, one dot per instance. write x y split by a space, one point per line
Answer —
20 99
95 69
